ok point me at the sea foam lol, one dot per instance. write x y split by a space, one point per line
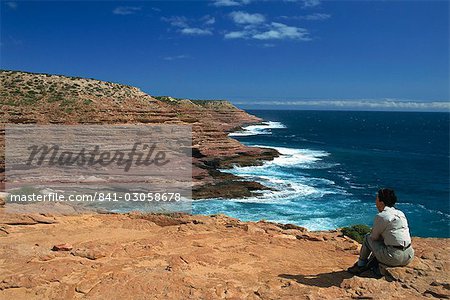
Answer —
263 128
285 187
291 157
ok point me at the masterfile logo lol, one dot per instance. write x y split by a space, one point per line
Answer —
99 164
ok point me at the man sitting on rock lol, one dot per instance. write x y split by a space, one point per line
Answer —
389 240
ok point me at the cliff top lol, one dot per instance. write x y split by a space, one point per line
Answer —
20 88
183 257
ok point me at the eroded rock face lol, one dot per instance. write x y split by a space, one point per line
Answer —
3 197
180 256
62 247
52 99
431 264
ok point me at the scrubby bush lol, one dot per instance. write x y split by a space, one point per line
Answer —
356 232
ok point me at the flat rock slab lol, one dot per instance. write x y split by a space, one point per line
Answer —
180 256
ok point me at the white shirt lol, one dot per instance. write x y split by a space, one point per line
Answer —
392 226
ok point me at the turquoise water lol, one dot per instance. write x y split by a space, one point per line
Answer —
333 163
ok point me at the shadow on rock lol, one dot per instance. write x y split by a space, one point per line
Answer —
324 279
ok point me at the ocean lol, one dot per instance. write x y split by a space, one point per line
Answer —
333 162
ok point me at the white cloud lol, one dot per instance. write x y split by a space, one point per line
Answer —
226 3
272 31
176 21
12 5
279 31
126 10
240 17
311 3
236 35
306 3
176 57
255 26
183 27
220 3
317 17
208 20
311 17
195 31
362 104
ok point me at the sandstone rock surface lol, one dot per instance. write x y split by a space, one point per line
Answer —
179 256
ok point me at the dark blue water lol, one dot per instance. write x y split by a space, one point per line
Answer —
333 163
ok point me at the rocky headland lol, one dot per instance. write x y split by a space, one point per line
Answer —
29 98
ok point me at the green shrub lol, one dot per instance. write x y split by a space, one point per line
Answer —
53 98
9 102
356 232
67 102
28 100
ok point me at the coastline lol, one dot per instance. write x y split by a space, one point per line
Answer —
329 172
215 125
215 150
64 251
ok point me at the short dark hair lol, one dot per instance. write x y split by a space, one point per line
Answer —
387 196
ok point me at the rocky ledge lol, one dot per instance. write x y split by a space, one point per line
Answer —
30 98
179 256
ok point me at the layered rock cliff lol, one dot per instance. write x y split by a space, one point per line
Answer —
53 99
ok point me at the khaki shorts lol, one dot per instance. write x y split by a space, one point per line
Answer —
389 255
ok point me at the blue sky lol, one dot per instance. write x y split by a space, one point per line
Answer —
259 54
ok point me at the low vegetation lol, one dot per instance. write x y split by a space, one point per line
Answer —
28 89
356 232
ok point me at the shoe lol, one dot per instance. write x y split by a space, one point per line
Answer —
372 263
375 268
356 270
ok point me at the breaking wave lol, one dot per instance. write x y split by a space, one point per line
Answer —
263 128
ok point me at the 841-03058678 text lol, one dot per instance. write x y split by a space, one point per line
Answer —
150 197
